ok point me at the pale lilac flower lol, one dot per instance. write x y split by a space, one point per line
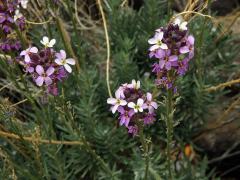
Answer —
137 107
61 60
125 115
134 85
156 42
116 102
189 48
27 52
44 76
45 41
166 59
150 105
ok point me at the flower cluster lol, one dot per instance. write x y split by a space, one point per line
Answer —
133 106
46 66
10 16
173 48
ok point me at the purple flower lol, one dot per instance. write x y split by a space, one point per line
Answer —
189 48
133 130
125 115
149 104
166 59
156 42
182 66
165 82
27 52
116 102
149 118
44 76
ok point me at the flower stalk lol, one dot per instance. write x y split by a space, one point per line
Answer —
169 124
145 149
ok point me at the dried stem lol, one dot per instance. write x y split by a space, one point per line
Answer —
108 45
222 85
42 141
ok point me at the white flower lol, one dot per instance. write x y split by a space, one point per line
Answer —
156 41
24 3
17 15
137 107
116 102
45 41
181 23
61 60
135 84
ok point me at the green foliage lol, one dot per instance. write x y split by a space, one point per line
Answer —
80 112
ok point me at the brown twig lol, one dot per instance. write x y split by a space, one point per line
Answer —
41 141
222 85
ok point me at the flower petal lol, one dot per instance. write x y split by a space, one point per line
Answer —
50 71
68 68
154 47
159 36
191 39
131 104
52 42
114 108
163 46
154 104
33 50
140 102
39 70
161 63
39 81
58 61
152 41
71 61
48 80
23 53
63 54
149 96
123 102
27 58
112 101
173 58
184 49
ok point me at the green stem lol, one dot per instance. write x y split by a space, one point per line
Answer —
169 123
146 151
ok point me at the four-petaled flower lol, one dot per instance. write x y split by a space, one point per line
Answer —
27 52
156 42
137 107
125 115
150 105
44 76
116 102
45 41
166 59
61 60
